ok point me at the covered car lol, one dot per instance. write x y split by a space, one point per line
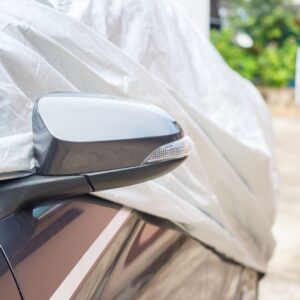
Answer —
150 52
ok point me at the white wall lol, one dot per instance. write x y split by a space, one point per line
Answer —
199 11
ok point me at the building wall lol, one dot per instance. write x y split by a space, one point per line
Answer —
199 11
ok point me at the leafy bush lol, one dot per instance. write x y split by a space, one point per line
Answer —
237 57
275 31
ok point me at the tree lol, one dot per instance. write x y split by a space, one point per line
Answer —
274 28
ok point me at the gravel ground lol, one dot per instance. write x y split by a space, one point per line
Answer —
283 279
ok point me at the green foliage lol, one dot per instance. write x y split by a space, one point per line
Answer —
241 61
277 64
275 29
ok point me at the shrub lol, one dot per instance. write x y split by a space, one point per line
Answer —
275 30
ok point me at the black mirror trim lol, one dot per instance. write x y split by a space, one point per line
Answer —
36 189
125 177
18 193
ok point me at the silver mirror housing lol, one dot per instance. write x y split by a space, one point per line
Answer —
76 133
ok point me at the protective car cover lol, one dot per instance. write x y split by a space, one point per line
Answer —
223 195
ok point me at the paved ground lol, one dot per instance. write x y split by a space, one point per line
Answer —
283 280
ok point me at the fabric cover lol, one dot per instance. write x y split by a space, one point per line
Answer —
223 195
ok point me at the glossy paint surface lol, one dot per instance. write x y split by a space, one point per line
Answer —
195 272
90 249
158 262
132 261
44 248
8 287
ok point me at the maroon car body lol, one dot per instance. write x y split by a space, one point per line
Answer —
83 250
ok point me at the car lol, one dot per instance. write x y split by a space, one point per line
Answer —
59 241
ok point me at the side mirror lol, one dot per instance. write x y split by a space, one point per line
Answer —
86 142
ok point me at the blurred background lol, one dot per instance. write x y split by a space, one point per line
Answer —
260 39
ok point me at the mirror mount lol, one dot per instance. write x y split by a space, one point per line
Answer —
36 189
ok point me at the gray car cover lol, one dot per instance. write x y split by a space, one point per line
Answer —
223 195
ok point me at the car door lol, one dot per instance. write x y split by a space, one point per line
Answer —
86 248
74 249
45 244
8 286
